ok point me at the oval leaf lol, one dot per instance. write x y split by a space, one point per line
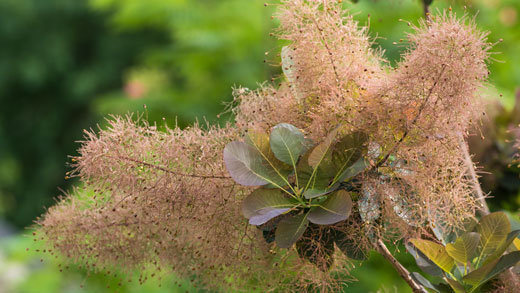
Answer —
288 143
493 229
424 263
511 237
264 204
289 230
347 151
490 270
241 162
278 170
464 248
435 252
359 166
335 208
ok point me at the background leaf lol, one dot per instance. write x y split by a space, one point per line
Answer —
492 269
334 209
493 229
464 248
289 230
503 247
435 252
423 262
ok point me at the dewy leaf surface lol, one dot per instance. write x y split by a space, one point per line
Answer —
435 252
289 230
464 248
264 204
288 143
334 209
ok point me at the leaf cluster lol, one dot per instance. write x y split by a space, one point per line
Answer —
302 186
472 259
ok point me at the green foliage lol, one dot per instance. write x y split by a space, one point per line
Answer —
302 186
56 57
473 259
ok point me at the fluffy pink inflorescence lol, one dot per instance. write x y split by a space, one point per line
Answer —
163 197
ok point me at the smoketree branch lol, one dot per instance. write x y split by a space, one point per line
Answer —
403 272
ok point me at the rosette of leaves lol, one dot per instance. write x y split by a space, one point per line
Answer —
474 258
303 187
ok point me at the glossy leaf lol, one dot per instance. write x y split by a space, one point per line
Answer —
423 262
348 246
503 247
264 204
435 252
288 143
493 229
464 248
290 229
334 209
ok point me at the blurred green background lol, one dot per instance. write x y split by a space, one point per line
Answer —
65 65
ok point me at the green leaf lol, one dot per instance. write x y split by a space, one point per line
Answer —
464 248
346 152
348 246
311 179
492 269
317 246
503 247
335 208
423 262
313 193
323 150
264 204
289 230
435 252
456 286
260 142
244 164
423 281
288 143
359 166
493 229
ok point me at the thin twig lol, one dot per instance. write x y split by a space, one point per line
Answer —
403 272
405 134
484 209
170 171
